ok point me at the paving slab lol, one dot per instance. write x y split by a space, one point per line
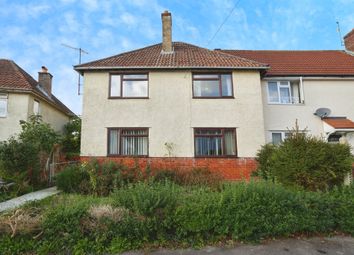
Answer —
19 201
337 245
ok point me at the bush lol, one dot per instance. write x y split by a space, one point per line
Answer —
305 161
72 138
71 179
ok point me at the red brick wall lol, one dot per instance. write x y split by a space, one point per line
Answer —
229 168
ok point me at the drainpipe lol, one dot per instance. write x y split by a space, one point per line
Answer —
302 97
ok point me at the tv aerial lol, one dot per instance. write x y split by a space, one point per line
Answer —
81 51
322 112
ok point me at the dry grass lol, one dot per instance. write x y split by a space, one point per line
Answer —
99 212
21 221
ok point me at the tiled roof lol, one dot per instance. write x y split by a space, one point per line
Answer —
312 63
13 77
339 122
184 55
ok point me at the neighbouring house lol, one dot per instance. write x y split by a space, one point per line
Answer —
174 104
22 96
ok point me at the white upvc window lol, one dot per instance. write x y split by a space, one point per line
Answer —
3 105
36 107
279 92
279 136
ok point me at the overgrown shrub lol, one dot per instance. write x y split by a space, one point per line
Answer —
72 138
22 158
305 161
72 179
162 213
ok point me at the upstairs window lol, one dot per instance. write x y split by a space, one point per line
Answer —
128 141
212 86
215 142
284 92
128 86
3 105
36 108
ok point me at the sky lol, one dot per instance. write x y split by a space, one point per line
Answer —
32 32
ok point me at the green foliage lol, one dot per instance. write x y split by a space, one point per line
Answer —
71 179
72 137
38 133
164 213
305 161
23 157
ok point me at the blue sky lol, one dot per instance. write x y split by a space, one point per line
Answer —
32 31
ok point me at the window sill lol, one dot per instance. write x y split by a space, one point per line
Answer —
224 156
128 98
126 156
286 104
213 97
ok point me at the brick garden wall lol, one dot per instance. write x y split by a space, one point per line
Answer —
229 168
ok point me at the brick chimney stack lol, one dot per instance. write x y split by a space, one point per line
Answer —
166 32
45 80
349 41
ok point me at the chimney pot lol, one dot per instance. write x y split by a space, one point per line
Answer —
166 32
45 80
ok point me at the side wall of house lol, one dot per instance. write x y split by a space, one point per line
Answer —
171 113
51 115
17 109
335 94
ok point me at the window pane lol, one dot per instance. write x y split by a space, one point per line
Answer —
134 145
115 86
230 142
208 131
226 85
3 107
276 138
113 142
205 76
135 88
206 88
35 107
208 146
135 76
285 95
134 132
273 92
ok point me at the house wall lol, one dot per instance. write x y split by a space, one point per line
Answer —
335 94
17 109
170 113
51 115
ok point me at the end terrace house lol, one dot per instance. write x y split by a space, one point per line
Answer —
22 96
175 104
174 100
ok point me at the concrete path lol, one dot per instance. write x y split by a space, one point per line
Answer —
338 245
18 201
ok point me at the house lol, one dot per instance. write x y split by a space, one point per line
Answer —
175 104
22 96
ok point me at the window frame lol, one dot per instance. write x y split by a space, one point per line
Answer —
213 79
121 74
5 97
120 129
39 107
282 133
288 86
222 142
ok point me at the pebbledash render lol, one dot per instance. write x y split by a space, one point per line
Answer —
176 105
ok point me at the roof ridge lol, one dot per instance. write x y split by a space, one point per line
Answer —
283 50
247 59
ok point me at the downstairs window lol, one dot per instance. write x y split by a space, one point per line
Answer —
128 141
215 142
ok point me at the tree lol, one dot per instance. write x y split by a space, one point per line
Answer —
72 137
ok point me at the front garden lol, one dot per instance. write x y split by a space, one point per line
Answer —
108 208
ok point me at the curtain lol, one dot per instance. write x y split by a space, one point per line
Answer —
113 142
230 142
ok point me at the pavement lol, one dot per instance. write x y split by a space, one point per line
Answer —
337 245
19 201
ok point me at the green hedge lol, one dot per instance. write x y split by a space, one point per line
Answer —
165 213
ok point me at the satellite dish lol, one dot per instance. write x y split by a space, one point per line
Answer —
322 112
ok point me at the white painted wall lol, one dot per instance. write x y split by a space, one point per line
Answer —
335 94
171 114
20 107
